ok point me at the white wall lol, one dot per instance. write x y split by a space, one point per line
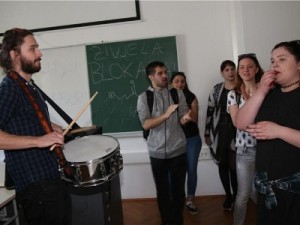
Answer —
208 32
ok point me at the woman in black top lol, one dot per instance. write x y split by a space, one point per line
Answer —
272 116
220 132
194 143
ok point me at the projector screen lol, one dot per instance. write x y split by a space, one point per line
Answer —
53 15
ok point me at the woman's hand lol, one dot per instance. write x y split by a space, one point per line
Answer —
267 82
264 130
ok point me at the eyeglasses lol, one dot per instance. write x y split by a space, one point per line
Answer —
247 55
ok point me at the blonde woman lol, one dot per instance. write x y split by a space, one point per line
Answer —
248 75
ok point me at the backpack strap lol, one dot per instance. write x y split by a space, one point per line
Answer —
150 99
174 95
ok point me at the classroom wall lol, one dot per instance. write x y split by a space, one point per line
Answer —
207 32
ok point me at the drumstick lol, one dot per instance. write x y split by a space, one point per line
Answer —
77 117
82 129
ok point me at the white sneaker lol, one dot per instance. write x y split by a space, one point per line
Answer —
190 205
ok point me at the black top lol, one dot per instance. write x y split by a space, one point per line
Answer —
191 128
225 117
277 157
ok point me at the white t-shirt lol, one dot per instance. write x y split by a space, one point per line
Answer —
243 138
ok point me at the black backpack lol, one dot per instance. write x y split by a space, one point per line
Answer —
150 99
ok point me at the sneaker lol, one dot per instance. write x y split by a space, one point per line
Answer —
228 203
190 205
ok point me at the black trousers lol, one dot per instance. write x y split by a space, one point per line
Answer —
169 176
46 203
286 212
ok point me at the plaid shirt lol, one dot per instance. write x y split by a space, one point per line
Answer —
265 186
18 117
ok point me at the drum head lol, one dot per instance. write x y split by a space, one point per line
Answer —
89 148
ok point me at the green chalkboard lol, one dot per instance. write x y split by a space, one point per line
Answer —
117 71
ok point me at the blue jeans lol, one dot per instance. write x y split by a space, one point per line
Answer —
194 145
245 169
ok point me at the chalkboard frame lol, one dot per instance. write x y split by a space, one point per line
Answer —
92 23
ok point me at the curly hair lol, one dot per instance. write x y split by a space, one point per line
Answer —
12 40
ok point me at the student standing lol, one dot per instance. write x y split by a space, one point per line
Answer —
166 142
272 116
220 132
193 139
32 166
248 75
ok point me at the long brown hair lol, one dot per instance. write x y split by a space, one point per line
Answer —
239 84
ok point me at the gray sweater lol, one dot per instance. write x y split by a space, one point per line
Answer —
167 140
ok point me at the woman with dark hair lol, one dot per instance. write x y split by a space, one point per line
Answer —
247 77
194 143
272 116
220 132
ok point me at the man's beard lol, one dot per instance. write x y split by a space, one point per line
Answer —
29 67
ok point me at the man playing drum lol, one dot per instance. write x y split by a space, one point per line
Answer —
32 166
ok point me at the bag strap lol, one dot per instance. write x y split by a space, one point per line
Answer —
150 99
65 116
174 95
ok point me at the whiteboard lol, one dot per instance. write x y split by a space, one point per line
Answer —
64 79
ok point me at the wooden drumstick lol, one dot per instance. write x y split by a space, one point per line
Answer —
77 117
82 129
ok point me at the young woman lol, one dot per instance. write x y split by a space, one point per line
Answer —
272 116
220 132
194 143
248 75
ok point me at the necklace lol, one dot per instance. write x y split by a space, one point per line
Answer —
290 85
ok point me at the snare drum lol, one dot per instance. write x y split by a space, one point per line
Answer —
95 159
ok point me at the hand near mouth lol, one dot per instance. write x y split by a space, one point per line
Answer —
272 84
267 81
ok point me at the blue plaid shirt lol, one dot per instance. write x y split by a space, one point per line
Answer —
17 116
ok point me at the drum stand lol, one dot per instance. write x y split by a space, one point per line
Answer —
97 205
100 204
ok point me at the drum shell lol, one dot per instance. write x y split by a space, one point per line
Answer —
95 171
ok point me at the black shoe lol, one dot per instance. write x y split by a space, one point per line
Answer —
228 203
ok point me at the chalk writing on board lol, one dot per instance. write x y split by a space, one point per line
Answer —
120 69
117 72
112 94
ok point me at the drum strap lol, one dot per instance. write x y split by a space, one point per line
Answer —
63 163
